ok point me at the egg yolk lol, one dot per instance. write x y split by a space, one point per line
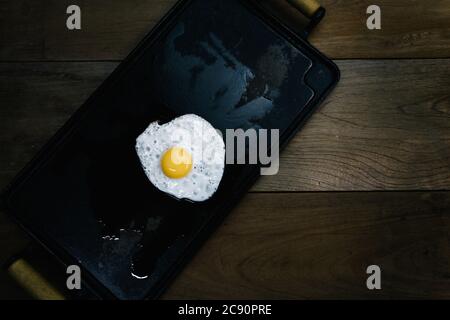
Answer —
176 163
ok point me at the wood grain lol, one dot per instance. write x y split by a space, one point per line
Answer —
318 246
35 30
386 127
410 29
314 246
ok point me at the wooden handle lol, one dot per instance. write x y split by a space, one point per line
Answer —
33 282
308 7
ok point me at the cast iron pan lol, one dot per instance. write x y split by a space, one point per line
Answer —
85 196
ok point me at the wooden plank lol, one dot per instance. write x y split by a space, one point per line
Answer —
418 29
315 245
319 245
111 28
386 127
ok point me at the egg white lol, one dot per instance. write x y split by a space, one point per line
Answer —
197 136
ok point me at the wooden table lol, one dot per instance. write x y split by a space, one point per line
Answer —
366 182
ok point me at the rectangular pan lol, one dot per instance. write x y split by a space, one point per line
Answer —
85 196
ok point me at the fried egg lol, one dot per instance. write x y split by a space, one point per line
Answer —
184 158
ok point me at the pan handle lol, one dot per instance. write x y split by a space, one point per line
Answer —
33 281
312 10
307 7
